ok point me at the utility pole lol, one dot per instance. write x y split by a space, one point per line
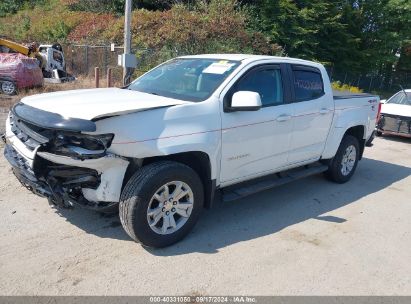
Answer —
127 41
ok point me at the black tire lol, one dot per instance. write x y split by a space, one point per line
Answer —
370 140
109 210
57 46
334 172
138 192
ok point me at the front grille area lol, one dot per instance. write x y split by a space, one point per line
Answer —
31 135
60 183
24 173
394 123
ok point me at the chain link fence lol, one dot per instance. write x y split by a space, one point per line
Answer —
81 59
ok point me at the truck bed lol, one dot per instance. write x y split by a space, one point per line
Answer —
347 94
349 101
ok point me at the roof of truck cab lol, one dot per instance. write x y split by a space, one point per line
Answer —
248 57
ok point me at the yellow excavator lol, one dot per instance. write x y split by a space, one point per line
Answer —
17 47
50 57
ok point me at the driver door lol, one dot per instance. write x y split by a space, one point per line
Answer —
255 143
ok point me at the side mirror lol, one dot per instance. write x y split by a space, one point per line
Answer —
383 101
246 101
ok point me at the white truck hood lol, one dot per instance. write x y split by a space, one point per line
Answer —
96 103
396 109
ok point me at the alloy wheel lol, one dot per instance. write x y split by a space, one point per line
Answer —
348 160
8 87
170 207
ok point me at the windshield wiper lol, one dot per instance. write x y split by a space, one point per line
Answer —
151 93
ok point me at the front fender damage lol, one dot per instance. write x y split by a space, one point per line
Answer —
110 170
51 156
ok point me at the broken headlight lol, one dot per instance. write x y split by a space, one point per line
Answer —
81 145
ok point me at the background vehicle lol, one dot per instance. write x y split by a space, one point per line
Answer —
395 117
50 57
18 71
159 149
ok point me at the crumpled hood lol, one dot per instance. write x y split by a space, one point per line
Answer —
396 109
96 103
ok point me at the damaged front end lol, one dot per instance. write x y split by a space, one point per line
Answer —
395 124
53 157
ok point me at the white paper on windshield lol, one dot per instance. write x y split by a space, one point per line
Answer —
218 67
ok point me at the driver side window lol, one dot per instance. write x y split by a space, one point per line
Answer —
265 81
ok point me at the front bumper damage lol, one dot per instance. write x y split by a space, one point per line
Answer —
92 179
394 124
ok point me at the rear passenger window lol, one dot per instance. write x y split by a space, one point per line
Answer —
266 82
307 85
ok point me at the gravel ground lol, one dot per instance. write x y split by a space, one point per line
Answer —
311 237
3 117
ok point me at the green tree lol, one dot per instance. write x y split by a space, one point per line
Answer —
310 29
8 7
117 6
357 35
382 27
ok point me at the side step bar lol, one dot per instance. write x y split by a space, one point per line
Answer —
251 187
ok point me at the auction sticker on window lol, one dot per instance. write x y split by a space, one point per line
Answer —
218 67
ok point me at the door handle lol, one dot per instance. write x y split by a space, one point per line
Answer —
283 117
324 111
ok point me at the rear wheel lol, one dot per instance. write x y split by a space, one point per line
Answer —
344 163
161 203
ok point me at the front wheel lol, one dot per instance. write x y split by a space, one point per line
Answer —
344 163
161 203
8 87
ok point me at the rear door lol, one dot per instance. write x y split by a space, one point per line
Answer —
313 113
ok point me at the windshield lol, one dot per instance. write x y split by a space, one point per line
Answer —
191 79
401 98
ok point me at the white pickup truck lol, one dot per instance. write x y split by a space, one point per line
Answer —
159 149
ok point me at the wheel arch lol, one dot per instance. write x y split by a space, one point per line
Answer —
197 160
359 133
337 135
